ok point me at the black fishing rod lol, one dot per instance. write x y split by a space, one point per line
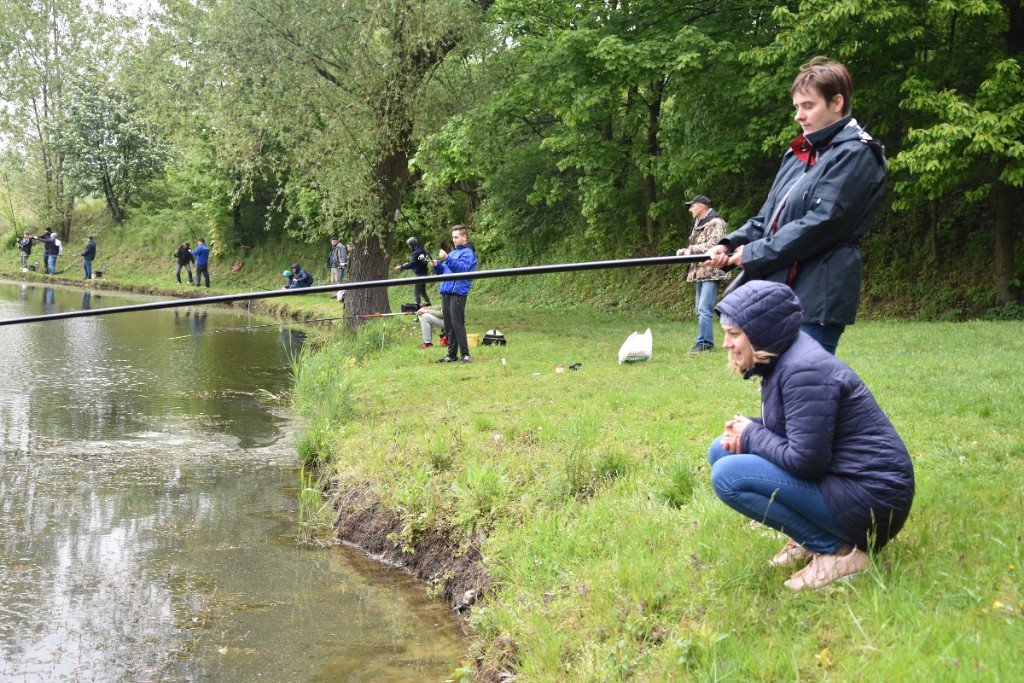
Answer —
369 284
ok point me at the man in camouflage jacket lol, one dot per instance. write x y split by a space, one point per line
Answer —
708 230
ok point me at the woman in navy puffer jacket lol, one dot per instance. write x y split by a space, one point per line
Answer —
823 464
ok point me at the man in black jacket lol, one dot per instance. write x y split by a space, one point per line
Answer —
418 264
88 255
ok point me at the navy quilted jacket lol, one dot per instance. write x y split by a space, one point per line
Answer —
820 422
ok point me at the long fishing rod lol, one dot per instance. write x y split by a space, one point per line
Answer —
58 272
368 284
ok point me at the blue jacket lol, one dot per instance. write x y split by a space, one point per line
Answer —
828 187
460 260
418 262
90 251
820 422
300 279
202 254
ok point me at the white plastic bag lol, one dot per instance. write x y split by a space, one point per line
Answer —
638 347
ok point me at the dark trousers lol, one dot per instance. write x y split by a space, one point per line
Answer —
419 290
453 308
202 270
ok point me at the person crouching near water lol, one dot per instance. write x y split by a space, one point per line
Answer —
823 464
297 278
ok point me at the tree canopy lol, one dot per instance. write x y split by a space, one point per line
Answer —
568 126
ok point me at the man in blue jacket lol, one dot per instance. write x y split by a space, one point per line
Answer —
822 203
462 259
202 254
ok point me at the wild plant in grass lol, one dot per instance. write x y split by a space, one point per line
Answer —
677 489
315 445
479 493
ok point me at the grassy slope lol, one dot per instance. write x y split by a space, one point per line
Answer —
599 576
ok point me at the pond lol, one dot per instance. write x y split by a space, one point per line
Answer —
148 512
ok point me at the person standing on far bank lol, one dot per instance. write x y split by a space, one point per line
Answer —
337 261
418 264
184 258
51 249
454 292
708 230
202 256
88 255
822 203
25 246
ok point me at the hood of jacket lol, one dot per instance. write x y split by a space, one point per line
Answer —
768 313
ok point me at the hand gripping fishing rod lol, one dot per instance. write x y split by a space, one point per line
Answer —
369 284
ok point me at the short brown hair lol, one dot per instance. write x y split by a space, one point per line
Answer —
827 77
460 228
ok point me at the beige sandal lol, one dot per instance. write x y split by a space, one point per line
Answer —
791 554
824 569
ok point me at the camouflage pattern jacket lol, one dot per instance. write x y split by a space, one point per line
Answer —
707 232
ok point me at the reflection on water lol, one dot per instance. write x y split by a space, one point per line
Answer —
147 529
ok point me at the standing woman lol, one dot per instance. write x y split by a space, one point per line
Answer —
823 464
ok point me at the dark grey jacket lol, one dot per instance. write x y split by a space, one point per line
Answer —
820 422
826 194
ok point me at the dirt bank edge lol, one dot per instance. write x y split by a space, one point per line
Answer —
455 571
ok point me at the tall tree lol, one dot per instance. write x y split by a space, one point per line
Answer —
108 148
42 44
324 95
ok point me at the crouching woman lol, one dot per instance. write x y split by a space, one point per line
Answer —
823 464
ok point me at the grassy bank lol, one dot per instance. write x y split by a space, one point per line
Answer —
586 495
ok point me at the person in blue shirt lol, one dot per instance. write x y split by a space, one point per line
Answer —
202 254
462 259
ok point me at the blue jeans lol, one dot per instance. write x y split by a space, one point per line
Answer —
187 267
87 266
826 335
766 493
51 263
707 294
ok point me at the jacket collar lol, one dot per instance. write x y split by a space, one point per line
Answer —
808 147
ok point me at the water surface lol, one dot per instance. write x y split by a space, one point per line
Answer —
147 513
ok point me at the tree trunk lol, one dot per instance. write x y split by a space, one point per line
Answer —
371 259
1007 199
653 150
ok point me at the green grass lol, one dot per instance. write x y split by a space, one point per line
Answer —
611 557
588 491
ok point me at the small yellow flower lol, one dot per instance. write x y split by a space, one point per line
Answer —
824 659
998 605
